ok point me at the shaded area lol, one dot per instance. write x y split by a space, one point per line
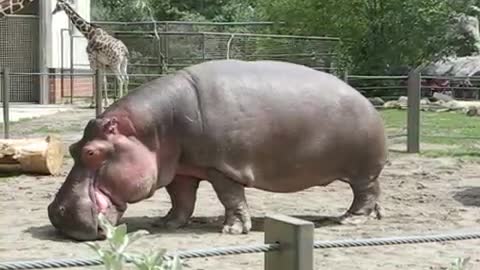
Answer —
197 225
469 196
47 232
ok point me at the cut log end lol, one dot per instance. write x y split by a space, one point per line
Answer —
42 156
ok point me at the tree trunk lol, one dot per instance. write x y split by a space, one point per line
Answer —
33 155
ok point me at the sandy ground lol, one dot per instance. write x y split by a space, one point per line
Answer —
420 195
19 112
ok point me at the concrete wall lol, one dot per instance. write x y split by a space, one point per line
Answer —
61 21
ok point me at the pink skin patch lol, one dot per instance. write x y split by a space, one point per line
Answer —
102 201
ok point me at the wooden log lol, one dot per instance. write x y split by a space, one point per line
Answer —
32 155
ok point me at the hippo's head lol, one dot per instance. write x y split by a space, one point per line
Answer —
111 168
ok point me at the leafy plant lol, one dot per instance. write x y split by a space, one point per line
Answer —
459 264
114 257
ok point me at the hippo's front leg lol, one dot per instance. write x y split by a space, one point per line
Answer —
183 194
232 195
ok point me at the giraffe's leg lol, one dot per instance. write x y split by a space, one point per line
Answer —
105 91
124 71
118 75
93 66
120 86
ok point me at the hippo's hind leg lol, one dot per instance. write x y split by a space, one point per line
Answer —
366 193
232 196
183 194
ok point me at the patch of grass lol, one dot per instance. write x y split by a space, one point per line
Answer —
45 130
394 119
455 134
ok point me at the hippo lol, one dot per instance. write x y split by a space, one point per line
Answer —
270 125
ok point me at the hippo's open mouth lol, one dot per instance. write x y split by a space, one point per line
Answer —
104 203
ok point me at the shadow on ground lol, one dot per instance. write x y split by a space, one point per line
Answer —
197 225
469 196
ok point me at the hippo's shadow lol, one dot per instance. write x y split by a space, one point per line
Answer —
197 225
469 196
203 225
47 232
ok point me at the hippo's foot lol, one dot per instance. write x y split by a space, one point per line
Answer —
365 202
232 196
360 218
183 193
171 221
237 223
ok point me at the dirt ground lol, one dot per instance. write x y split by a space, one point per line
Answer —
420 195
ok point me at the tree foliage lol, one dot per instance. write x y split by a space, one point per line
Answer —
378 36
167 10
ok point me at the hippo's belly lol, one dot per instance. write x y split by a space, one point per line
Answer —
281 127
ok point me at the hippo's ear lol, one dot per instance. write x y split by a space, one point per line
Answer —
118 125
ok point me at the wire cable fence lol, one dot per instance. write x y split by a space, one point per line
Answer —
410 111
279 232
414 105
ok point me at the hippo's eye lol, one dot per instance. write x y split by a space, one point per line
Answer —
90 152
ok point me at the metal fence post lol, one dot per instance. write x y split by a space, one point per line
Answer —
295 237
345 75
6 101
98 92
413 114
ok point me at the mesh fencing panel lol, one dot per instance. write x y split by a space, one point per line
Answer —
175 45
19 37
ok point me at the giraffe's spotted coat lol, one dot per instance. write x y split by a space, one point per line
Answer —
9 7
104 51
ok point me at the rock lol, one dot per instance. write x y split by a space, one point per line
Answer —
439 102
403 101
392 104
453 105
376 101
442 97
471 111
425 101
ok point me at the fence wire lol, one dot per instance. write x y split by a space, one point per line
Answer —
262 248
165 46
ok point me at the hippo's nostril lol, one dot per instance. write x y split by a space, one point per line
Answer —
61 210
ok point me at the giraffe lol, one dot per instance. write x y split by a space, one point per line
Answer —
9 7
104 51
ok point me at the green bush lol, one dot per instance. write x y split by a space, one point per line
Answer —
115 256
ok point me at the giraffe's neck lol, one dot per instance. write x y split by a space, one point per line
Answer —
81 24
9 7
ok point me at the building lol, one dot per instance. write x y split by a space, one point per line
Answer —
34 41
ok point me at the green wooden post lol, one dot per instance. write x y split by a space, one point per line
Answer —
98 92
295 237
6 101
413 118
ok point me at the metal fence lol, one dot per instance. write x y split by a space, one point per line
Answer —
19 51
414 122
190 26
408 127
164 47
420 99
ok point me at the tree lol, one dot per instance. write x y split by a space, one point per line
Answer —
376 35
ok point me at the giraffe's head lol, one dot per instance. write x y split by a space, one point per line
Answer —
60 6
82 25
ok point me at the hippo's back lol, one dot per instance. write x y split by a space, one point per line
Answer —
282 120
